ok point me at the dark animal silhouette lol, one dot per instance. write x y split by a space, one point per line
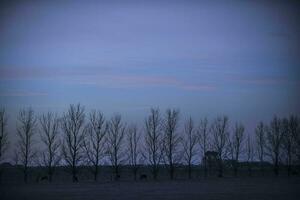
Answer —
143 177
75 179
44 178
117 177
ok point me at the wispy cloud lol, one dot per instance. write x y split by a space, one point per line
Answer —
22 94
97 76
46 73
268 81
198 87
138 81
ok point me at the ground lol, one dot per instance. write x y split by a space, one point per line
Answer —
212 188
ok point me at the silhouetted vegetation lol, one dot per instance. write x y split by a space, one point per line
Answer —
50 138
72 124
115 140
94 141
26 128
75 144
3 136
189 144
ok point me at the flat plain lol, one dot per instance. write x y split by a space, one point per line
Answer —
211 188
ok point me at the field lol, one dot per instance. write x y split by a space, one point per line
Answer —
242 187
211 188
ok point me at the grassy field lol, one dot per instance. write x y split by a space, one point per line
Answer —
210 188
229 187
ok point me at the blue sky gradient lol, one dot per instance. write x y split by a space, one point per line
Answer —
239 58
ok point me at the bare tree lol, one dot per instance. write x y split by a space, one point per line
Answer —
133 149
189 144
153 139
3 134
203 138
236 145
26 127
171 140
260 134
94 142
273 142
16 157
50 138
3 137
287 143
250 154
295 130
220 135
72 124
114 138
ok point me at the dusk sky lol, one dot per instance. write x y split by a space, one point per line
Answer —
207 58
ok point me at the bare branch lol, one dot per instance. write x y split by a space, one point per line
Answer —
189 144
153 138
72 124
26 127
114 139
3 134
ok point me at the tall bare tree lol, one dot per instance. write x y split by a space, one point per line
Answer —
260 136
115 138
26 127
3 134
72 124
274 141
94 142
220 135
250 154
204 140
153 139
287 143
133 149
50 138
295 130
3 137
171 140
236 145
189 144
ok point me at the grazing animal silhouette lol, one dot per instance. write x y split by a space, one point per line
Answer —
117 177
44 178
75 179
143 177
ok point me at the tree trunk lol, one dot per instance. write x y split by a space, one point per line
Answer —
154 173
190 171
171 172
235 168
276 166
249 170
220 169
262 168
74 177
25 174
50 174
135 173
205 166
289 164
96 173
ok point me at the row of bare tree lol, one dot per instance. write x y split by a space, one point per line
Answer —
75 139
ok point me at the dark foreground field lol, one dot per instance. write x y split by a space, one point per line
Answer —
212 188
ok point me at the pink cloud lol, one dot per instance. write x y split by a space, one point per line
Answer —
96 77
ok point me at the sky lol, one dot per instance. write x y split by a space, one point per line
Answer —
207 58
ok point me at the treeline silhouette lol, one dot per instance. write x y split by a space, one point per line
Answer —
78 139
